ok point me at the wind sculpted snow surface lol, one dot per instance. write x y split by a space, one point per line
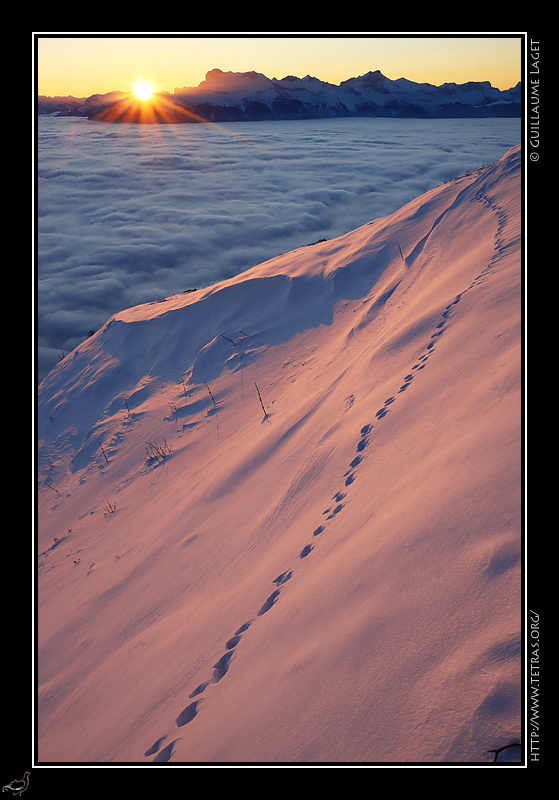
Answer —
279 519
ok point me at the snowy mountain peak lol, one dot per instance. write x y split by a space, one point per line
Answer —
374 80
218 81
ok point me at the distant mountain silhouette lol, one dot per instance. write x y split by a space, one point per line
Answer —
251 96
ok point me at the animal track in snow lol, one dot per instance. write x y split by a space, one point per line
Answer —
285 576
199 689
222 666
165 754
336 511
188 714
269 603
155 747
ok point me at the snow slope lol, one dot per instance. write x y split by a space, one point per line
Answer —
331 576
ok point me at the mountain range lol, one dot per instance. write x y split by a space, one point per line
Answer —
251 96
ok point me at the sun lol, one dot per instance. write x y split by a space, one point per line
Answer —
143 90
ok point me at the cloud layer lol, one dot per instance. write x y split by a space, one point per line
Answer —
129 214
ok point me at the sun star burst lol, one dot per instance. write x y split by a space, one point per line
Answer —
143 90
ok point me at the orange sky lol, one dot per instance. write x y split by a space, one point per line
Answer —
84 65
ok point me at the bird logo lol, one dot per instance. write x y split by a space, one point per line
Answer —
17 787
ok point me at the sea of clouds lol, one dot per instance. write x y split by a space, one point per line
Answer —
128 214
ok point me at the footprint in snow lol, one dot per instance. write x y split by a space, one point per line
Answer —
306 550
335 511
269 603
165 754
284 577
188 714
155 747
221 667
199 689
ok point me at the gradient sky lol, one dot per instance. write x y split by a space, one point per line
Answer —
82 64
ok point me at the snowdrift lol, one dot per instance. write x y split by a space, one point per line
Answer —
279 519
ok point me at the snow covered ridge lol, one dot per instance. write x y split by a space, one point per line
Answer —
279 519
251 96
